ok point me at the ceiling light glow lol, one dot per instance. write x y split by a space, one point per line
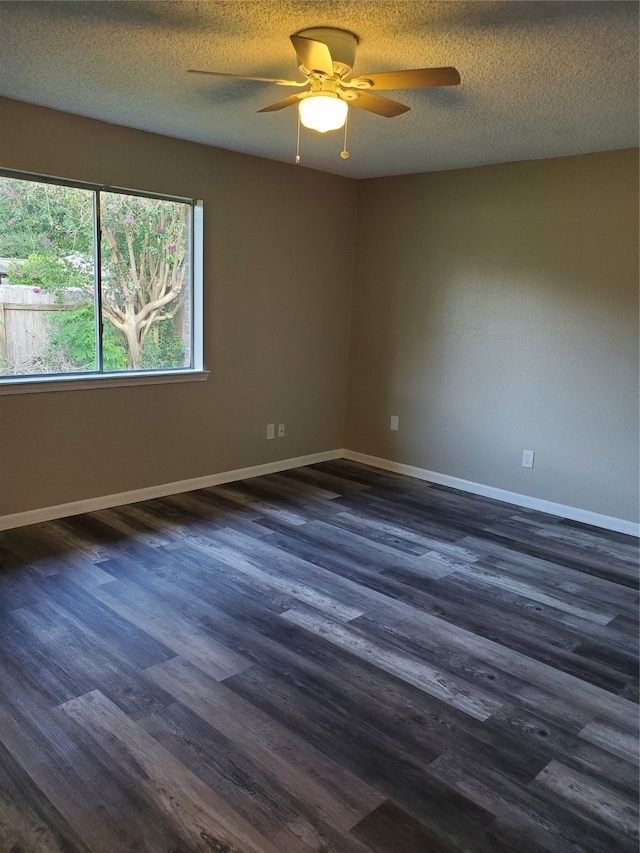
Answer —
322 112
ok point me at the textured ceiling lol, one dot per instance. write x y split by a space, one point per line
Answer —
539 79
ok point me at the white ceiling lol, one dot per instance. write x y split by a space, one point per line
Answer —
539 79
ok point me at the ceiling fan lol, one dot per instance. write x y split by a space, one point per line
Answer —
326 56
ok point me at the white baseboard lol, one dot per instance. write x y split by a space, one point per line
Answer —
608 522
21 519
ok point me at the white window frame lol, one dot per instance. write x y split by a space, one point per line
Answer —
26 384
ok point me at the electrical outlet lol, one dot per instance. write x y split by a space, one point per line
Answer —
395 423
280 430
527 458
271 431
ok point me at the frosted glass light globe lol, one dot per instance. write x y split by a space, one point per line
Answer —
323 112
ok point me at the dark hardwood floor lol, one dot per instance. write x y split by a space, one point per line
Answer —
334 659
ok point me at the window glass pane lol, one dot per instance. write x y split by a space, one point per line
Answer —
47 313
145 254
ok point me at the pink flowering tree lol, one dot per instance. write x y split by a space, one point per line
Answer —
39 218
48 230
144 268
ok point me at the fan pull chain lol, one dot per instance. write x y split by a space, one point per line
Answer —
344 153
298 142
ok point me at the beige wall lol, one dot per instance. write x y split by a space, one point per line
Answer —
278 274
496 309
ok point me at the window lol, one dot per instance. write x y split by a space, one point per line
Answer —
96 282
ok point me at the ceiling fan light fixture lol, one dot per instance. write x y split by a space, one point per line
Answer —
323 111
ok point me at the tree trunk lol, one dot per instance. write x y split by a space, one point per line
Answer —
134 345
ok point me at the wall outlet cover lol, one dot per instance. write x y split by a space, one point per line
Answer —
527 458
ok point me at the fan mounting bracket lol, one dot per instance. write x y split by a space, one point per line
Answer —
341 43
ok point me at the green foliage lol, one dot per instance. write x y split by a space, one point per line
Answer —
167 351
35 216
114 353
71 343
50 273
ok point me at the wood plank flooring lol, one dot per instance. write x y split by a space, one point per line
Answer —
335 659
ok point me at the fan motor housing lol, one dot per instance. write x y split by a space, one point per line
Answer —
341 43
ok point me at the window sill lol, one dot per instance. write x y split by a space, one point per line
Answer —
40 384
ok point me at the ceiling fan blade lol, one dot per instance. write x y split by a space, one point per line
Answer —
314 55
285 102
416 78
259 79
380 106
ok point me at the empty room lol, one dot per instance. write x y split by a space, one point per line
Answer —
319 434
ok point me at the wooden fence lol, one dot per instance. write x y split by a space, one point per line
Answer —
24 314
